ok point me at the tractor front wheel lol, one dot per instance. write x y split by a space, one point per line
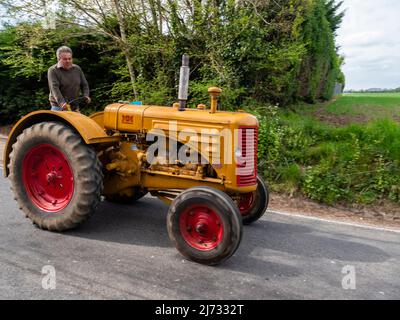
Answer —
205 225
56 178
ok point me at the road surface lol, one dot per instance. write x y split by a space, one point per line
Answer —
124 252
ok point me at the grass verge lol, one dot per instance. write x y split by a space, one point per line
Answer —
355 163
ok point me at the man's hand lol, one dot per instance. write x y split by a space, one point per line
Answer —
88 100
66 107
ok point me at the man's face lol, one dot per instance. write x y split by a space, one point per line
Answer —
65 60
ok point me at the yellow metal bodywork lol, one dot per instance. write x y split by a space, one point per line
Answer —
125 164
91 132
98 117
125 118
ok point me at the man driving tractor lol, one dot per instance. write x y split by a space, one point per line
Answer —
66 80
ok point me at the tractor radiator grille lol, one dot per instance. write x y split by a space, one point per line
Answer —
247 164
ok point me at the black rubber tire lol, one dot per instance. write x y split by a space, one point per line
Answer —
85 165
124 199
260 205
226 210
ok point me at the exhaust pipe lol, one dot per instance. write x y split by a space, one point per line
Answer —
184 83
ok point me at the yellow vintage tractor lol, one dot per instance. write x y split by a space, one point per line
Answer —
202 162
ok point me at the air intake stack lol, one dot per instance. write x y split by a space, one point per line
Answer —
184 83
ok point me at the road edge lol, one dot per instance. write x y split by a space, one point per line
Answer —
335 221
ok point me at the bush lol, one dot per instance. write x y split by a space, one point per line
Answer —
357 163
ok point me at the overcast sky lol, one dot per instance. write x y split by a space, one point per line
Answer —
370 41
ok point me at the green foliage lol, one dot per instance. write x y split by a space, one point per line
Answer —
334 17
320 69
356 163
274 52
28 50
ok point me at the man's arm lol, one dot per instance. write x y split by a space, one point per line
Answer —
54 86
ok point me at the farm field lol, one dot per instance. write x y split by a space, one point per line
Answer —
356 108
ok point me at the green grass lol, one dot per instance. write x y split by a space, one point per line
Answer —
372 105
347 164
355 108
344 151
374 95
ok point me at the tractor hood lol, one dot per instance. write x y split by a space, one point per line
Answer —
129 118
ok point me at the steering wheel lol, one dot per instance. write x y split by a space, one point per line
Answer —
76 103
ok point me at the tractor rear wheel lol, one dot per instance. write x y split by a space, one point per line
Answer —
205 225
253 205
56 178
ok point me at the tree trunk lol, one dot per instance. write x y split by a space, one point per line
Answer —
125 46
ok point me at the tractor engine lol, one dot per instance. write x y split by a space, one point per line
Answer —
164 149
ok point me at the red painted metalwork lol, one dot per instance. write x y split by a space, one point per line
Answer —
201 227
247 163
48 178
246 203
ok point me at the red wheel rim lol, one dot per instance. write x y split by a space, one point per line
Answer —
48 178
201 227
246 203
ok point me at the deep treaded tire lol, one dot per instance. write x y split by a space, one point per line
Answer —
205 225
259 203
56 178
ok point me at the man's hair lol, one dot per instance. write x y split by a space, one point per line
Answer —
63 49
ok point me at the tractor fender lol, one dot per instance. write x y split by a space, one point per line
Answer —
90 131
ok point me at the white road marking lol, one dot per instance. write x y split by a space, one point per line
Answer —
287 214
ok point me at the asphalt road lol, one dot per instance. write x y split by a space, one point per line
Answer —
124 252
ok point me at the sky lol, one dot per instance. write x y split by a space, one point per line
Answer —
370 41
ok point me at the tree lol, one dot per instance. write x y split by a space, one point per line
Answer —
259 51
321 64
